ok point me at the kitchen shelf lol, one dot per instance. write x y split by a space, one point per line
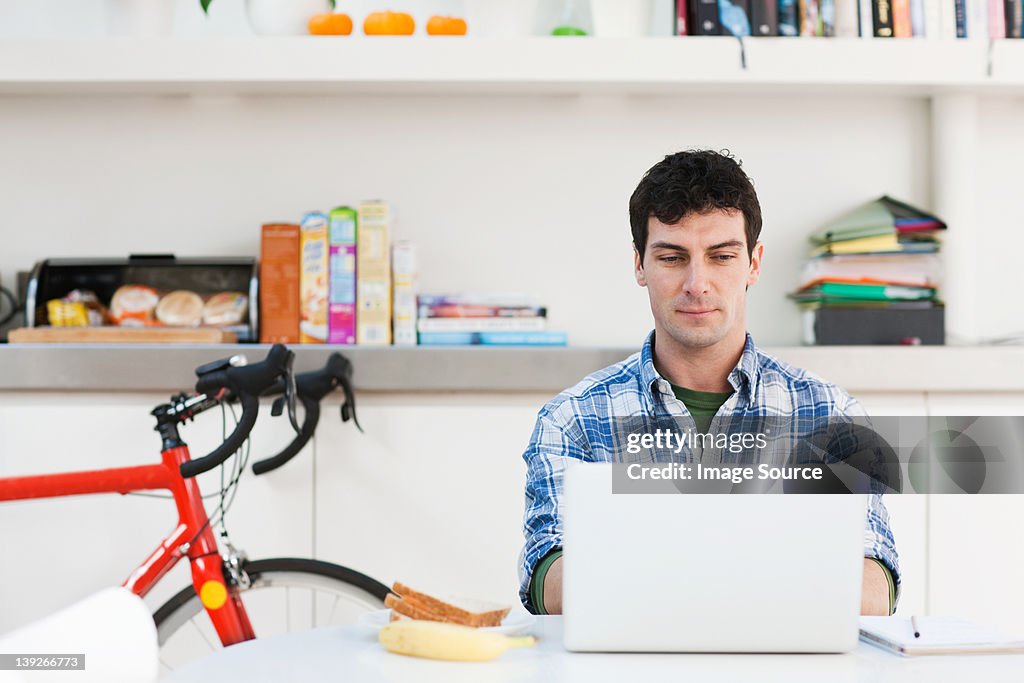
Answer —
159 368
386 65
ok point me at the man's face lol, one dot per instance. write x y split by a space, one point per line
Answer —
697 272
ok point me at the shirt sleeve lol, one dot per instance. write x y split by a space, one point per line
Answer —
879 543
551 448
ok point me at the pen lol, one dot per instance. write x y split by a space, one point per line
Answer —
913 625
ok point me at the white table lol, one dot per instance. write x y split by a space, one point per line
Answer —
350 653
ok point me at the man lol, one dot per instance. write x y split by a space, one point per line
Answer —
696 221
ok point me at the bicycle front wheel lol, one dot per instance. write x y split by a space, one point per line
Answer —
285 595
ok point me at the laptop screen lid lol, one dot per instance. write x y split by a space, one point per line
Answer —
709 573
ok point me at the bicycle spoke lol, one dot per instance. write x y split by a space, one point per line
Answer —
205 639
334 607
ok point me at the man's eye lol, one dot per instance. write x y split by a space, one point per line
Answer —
725 257
669 259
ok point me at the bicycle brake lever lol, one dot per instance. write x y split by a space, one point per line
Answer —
278 407
348 406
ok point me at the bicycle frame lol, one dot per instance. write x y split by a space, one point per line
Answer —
192 537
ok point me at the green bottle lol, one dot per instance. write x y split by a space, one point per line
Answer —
573 18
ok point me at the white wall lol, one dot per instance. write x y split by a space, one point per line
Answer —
499 193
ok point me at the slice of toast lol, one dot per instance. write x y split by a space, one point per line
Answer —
457 611
401 607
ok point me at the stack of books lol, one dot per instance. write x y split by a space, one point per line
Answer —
481 319
873 278
931 19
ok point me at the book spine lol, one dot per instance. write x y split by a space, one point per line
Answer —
808 18
827 18
497 300
789 18
734 16
917 18
977 19
403 304
279 284
681 25
1013 18
882 18
846 19
960 11
764 17
548 338
996 19
373 274
901 23
865 17
470 311
932 19
482 324
704 18
313 279
341 306
947 19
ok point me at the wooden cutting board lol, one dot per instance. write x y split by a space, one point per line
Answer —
121 335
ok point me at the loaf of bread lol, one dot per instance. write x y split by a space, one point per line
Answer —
414 604
133 304
180 308
226 308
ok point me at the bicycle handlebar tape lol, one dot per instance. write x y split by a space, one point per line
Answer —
312 407
250 409
248 379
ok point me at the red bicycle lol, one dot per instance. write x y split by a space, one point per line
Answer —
225 582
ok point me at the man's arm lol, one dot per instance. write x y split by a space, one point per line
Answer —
875 590
550 450
553 588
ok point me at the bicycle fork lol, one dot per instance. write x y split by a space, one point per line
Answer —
194 538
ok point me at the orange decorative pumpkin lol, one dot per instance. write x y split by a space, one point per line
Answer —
446 26
389 24
330 25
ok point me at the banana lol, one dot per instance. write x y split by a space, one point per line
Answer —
437 640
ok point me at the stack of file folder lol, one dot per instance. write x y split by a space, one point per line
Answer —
873 278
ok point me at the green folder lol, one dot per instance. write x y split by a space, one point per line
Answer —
866 292
870 220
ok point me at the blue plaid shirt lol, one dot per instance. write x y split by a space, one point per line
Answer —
578 424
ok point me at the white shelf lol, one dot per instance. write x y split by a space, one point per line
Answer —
309 65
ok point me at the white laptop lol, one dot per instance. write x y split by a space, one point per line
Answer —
709 572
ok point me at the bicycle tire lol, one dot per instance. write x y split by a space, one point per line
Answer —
300 572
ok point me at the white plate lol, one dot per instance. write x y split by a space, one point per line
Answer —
514 624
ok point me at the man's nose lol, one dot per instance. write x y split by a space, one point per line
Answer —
696 282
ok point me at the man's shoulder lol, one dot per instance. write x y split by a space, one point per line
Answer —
802 384
598 388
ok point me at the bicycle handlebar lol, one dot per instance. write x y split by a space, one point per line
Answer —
311 388
309 424
246 383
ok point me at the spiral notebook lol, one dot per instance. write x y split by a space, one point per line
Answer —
939 636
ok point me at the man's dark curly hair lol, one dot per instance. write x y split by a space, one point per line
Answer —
695 181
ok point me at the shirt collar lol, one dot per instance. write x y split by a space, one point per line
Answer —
743 378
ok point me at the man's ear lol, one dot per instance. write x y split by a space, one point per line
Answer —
638 269
755 263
